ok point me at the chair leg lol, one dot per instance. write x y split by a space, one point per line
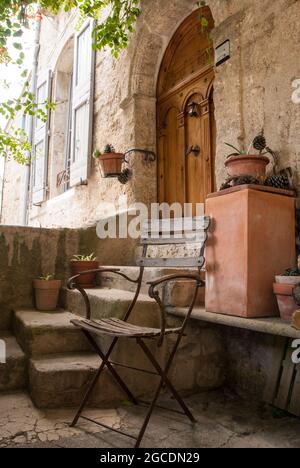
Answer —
163 374
105 363
105 360
87 395
148 416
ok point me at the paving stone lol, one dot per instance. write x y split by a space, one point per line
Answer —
224 420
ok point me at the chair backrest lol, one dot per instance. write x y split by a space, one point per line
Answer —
176 231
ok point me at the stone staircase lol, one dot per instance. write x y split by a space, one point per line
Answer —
50 357
13 374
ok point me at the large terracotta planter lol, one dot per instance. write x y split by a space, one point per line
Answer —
46 294
86 281
111 164
249 164
285 300
252 238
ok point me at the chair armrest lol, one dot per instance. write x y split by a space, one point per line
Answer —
155 295
71 284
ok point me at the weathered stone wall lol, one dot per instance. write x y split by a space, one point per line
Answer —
27 253
249 356
253 90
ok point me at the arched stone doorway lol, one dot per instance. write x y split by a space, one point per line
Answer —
185 115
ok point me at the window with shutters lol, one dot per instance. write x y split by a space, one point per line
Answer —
82 106
71 123
61 122
41 141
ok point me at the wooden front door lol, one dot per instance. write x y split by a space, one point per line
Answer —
185 116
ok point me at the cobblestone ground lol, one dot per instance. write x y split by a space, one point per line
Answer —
224 420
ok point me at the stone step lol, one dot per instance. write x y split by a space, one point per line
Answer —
61 381
40 333
178 293
106 302
13 373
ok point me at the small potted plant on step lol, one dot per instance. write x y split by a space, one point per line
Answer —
81 263
46 290
244 162
109 161
284 291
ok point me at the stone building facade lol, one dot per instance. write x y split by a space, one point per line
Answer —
257 88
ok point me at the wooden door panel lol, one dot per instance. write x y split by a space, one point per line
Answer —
185 178
207 156
195 165
186 76
171 160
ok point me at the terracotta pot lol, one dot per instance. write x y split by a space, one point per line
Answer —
111 164
88 280
286 303
247 164
46 294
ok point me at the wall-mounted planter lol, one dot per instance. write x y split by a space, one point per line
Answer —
111 164
46 294
248 164
86 281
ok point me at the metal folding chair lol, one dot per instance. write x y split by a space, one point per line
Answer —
154 233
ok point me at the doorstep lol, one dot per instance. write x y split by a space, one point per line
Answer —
270 326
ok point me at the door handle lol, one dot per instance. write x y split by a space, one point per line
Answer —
196 150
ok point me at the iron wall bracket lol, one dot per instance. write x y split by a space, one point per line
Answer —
149 156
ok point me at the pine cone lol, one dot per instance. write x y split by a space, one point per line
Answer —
245 180
278 181
125 176
239 180
259 143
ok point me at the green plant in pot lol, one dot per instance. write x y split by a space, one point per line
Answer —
46 290
245 162
81 263
284 289
109 161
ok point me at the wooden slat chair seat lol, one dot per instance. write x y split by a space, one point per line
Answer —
155 233
119 328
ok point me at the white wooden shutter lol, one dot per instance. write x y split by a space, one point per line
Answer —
82 111
41 142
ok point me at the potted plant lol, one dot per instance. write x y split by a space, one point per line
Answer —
46 290
109 161
284 290
81 263
244 162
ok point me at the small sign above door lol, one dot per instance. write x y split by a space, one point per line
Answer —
222 52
